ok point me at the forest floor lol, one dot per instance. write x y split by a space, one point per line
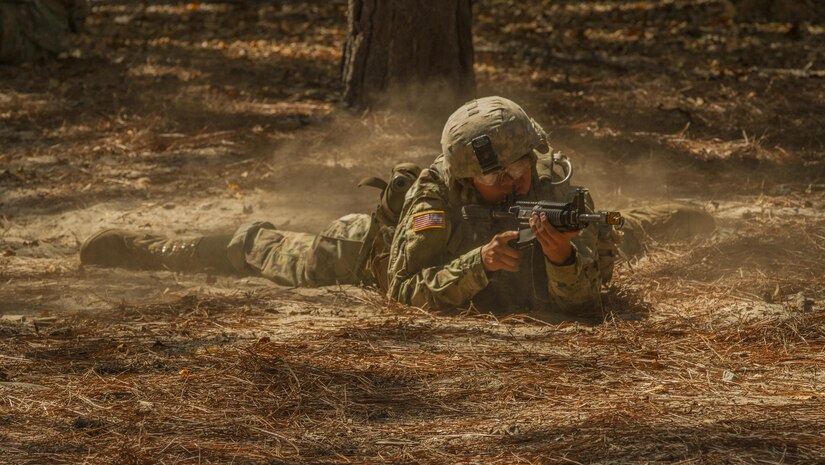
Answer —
192 118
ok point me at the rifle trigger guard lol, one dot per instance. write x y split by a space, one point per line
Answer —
566 167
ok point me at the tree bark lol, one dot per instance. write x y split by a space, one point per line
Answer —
408 52
792 11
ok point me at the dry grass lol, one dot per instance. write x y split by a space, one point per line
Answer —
680 370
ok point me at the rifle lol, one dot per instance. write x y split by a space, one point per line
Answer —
570 216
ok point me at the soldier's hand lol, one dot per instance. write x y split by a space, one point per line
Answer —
556 245
498 255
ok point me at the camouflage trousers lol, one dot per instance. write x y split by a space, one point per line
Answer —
301 259
334 256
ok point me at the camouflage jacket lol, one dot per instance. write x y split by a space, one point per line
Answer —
440 266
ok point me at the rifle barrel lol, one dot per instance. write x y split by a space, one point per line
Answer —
590 218
611 218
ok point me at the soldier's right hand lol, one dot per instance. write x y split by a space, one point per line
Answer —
498 255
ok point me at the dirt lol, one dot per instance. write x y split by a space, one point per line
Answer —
191 118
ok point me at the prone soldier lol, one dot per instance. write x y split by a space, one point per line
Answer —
417 246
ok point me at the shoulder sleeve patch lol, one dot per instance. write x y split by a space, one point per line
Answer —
430 219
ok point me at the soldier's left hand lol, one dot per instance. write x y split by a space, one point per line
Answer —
556 245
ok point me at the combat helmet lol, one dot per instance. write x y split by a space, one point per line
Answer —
487 134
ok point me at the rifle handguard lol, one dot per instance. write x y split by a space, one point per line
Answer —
570 216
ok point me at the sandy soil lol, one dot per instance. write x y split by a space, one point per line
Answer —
190 118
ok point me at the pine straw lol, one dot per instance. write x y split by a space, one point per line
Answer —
200 380
689 364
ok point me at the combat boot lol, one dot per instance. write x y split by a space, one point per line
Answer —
124 249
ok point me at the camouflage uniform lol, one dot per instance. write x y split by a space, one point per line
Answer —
424 270
441 267
352 249
300 259
435 268
435 257
420 250
423 253
36 29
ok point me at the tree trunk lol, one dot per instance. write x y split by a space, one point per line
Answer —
791 11
408 52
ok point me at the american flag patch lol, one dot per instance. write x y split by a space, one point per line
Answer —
431 219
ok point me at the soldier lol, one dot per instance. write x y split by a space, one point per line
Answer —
418 248
438 260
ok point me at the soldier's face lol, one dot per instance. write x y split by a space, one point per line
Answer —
496 193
